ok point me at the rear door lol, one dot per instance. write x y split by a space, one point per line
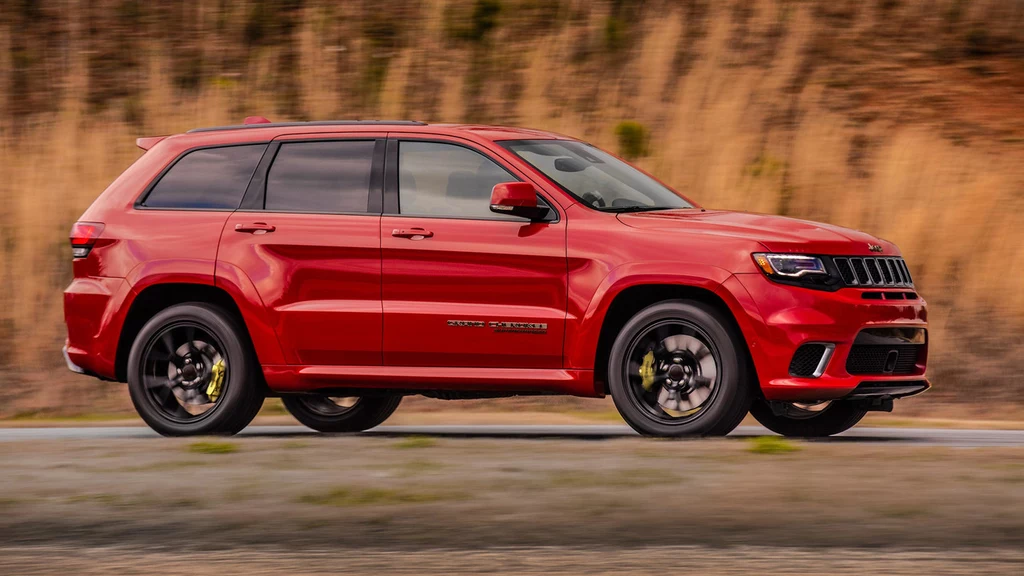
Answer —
463 286
308 237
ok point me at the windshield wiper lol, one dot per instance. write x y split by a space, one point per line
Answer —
622 209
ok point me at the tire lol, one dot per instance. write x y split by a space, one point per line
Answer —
835 418
323 415
241 394
731 390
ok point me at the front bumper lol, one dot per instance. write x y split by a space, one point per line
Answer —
779 319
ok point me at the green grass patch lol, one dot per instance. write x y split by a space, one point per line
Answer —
637 478
416 442
210 447
344 497
46 417
162 466
419 467
771 445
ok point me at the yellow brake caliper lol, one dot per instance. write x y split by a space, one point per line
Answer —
647 371
216 379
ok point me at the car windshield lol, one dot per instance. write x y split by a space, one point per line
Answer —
596 178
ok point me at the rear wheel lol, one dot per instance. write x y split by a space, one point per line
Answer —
192 371
679 368
340 414
808 420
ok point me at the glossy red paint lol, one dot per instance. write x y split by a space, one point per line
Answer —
514 194
473 271
318 278
334 301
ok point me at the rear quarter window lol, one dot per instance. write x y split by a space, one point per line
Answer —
207 179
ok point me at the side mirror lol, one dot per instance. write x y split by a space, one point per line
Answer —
517 199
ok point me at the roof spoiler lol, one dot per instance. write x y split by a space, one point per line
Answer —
149 142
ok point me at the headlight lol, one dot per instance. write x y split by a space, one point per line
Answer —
798 270
789 265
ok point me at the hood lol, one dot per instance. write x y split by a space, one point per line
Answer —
775 233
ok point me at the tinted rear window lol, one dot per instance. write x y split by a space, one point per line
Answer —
211 178
321 177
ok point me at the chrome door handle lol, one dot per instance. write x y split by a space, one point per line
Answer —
255 228
412 233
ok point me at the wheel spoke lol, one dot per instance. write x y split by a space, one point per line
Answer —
168 342
685 371
169 402
151 382
174 387
703 380
661 333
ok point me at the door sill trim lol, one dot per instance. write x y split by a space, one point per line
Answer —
288 379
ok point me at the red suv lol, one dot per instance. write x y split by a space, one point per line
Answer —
343 265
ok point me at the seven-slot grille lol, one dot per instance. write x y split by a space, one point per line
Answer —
874 271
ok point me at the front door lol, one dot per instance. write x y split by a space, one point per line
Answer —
463 286
308 237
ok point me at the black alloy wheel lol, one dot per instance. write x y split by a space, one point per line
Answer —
340 413
192 370
680 368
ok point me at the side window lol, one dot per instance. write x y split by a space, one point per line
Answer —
211 178
436 179
330 176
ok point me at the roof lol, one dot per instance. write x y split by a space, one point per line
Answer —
314 123
256 125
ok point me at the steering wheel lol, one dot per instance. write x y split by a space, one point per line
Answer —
594 200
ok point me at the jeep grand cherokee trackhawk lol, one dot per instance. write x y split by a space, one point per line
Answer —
344 265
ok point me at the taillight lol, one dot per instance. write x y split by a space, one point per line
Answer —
83 236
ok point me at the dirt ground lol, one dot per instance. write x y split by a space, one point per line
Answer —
536 560
418 410
433 506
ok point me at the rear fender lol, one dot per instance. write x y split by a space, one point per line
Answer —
237 284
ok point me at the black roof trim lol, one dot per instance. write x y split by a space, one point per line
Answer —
313 123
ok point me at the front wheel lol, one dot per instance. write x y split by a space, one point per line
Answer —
680 368
808 420
340 414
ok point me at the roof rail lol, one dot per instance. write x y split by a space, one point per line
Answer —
313 123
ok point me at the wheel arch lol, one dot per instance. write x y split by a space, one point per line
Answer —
157 297
630 300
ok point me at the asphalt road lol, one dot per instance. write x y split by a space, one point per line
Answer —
915 436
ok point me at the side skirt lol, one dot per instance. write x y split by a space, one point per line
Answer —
291 379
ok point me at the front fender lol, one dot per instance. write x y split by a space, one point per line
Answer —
583 334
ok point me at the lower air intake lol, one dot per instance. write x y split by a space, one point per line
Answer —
805 361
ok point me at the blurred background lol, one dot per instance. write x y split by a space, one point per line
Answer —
903 118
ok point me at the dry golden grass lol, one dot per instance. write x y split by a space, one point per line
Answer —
838 112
